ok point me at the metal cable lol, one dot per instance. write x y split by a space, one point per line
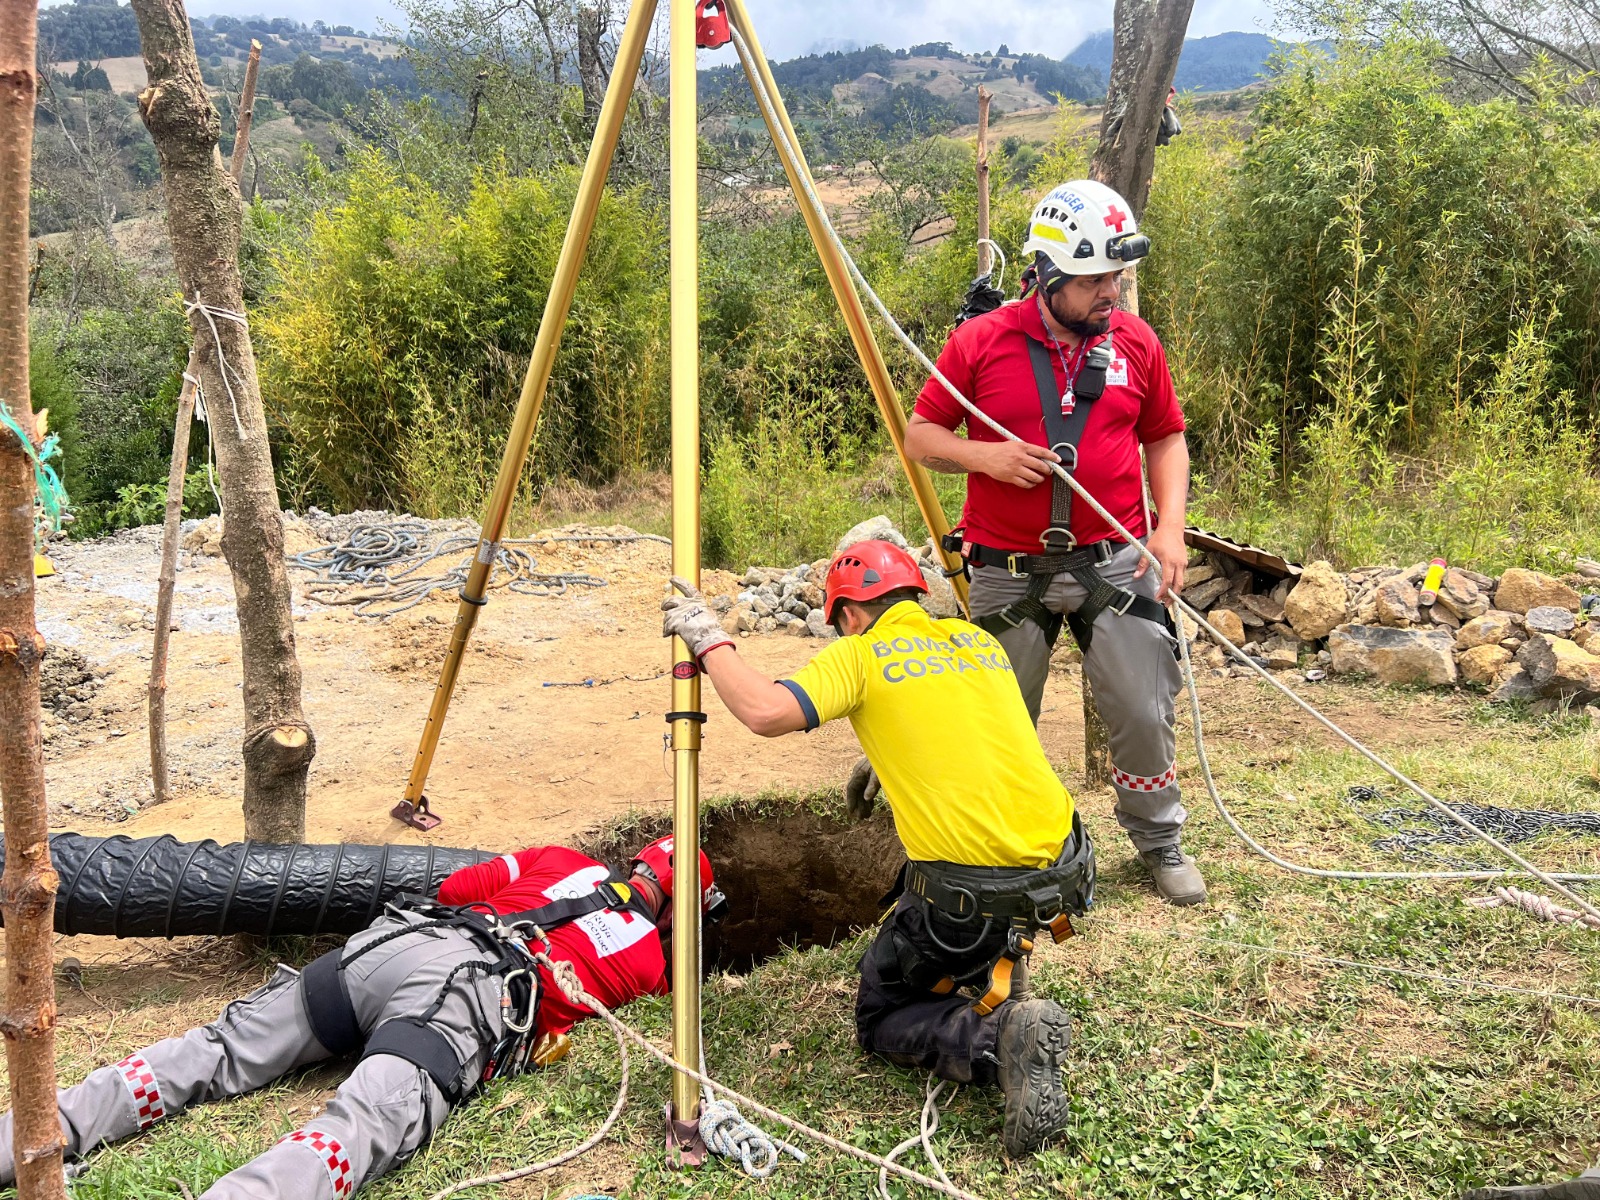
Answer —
375 569
792 161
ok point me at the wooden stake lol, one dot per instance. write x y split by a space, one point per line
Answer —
177 470
247 111
28 888
985 259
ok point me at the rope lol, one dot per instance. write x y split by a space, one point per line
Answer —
567 980
927 1126
1538 906
376 569
223 367
792 161
52 492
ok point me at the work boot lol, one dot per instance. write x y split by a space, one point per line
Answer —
1584 1187
1176 877
1031 1047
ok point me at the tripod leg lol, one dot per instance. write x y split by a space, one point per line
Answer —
850 306
630 53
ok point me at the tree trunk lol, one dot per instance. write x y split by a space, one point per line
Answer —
177 469
591 66
1148 38
203 221
28 888
984 252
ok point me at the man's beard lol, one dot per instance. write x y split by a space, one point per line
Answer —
1088 329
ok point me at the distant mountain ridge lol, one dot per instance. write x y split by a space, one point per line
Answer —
1218 63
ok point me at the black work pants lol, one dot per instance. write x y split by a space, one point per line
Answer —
899 1016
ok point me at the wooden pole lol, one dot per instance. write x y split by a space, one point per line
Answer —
247 111
985 257
28 887
177 469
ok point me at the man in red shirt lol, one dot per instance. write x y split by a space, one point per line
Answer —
432 998
1085 384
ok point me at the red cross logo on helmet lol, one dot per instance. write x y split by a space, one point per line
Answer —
1116 218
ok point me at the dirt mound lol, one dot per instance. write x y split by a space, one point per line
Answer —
67 682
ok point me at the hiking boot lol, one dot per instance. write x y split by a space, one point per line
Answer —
1032 1047
1176 877
1585 1187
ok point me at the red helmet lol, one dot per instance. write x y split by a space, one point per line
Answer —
654 861
868 570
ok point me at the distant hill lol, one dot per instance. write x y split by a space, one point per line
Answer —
1209 64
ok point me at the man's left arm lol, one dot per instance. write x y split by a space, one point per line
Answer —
1168 462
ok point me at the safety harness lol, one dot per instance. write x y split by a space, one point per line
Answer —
504 940
1028 900
1065 419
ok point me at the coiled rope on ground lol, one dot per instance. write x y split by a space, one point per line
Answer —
377 568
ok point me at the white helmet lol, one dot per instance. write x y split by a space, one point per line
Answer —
1083 228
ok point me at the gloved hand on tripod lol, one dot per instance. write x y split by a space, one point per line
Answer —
688 617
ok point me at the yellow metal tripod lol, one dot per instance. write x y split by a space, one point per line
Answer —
685 717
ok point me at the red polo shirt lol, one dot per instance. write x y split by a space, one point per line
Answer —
987 358
617 955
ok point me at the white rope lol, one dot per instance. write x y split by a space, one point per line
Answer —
927 1126
1309 956
567 980
999 273
792 158
1542 907
202 416
211 315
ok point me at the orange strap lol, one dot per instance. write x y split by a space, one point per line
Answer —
999 982
944 987
1061 928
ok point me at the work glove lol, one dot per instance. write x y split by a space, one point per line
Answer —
861 790
688 617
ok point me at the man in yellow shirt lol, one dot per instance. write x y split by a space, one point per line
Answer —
996 851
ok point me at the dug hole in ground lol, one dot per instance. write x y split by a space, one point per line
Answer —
1291 1078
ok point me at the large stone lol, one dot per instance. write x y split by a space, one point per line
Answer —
1317 603
1521 590
1547 618
873 529
1265 607
1281 656
811 595
1514 684
819 626
1397 603
1560 668
1207 592
1440 615
1394 655
1227 623
1201 572
1460 596
1490 629
941 598
1483 664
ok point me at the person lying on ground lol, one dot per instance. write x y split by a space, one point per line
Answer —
977 806
1584 1187
1081 382
417 998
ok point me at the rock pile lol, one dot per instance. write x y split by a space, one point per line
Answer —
790 599
1525 635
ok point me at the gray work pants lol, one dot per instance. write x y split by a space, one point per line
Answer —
1133 675
382 1113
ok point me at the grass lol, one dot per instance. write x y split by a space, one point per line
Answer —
1198 1070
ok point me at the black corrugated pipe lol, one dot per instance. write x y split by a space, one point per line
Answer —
161 887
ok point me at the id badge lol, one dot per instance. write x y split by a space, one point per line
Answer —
1068 402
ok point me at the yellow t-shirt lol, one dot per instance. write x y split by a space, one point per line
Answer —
938 712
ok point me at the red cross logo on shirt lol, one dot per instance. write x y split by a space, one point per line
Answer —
1115 216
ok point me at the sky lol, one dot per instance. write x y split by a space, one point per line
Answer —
793 27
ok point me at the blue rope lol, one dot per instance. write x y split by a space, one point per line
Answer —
52 493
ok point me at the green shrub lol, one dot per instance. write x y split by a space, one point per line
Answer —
396 337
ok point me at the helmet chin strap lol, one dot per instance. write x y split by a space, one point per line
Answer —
653 893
